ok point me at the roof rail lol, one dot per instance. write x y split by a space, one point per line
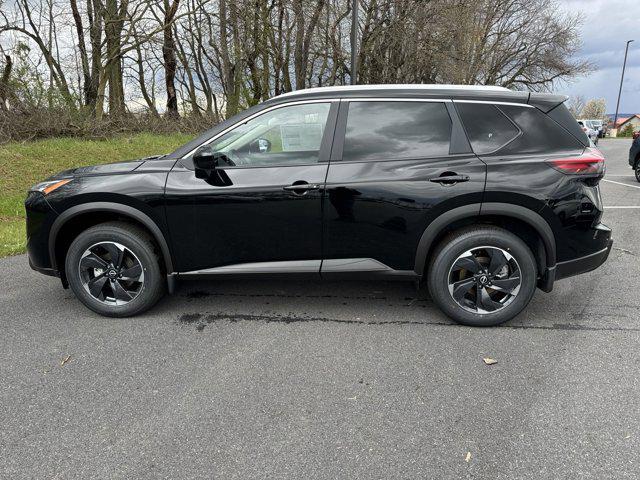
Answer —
418 86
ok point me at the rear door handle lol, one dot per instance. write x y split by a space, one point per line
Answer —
304 186
450 179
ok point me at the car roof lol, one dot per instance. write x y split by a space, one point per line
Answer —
492 93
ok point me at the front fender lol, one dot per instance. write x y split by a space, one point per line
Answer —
125 211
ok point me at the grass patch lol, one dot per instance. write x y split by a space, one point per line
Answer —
23 164
13 236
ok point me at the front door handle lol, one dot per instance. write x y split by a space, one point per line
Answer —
301 187
450 179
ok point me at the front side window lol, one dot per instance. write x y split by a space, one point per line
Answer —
284 136
390 130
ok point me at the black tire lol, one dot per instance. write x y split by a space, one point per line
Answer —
475 238
138 243
638 171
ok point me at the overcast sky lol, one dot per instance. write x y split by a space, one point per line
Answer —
608 24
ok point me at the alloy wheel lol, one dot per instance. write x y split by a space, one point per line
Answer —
111 273
484 280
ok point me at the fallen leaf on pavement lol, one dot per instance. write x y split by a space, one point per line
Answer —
489 361
65 360
468 457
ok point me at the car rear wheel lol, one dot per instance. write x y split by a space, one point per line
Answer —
113 270
638 171
482 276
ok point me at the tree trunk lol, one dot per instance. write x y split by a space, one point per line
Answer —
113 23
84 59
169 57
95 37
229 68
303 39
142 82
4 83
188 71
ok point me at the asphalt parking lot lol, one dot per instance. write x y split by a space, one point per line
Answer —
328 380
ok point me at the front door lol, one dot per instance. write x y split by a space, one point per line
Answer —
396 165
264 206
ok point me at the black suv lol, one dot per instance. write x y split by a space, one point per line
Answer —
482 192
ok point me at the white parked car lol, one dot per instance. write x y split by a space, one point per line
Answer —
591 133
597 125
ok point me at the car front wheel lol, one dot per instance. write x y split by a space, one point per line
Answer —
482 276
113 270
638 172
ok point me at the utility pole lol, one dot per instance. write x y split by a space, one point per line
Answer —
354 41
624 65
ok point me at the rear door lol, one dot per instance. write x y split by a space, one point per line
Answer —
396 165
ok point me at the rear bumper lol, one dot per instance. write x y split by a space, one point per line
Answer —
596 238
583 264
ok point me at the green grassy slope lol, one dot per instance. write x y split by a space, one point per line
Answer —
22 164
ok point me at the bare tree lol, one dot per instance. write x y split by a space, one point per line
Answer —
576 104
211 57
4 82
28 24
596 108
169 56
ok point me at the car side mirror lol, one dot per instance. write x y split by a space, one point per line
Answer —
205 159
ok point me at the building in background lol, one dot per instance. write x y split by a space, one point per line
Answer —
633 120
624 121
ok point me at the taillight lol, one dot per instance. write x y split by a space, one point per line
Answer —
591 162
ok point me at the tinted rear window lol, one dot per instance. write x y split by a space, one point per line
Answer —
511 129
487 127
564 118
396 130
541 134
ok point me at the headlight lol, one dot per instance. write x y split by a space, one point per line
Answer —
47 187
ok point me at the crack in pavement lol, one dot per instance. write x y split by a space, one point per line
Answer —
624 250
201 320
198 294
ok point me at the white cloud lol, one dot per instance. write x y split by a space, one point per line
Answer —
607 26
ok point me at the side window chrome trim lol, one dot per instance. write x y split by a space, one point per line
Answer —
489 102
394 99
255 115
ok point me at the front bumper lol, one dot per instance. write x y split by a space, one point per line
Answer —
45 271
583 264
40 217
